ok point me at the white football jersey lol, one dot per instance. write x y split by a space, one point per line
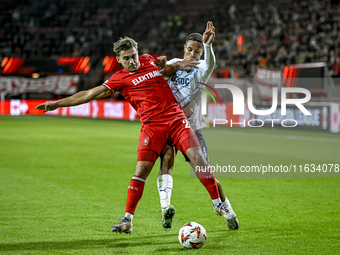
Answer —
188 90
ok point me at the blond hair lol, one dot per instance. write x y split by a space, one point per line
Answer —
123 44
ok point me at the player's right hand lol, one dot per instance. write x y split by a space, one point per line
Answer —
160 62
48 106
187 65
209 33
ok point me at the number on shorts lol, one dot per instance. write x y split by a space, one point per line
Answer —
186 122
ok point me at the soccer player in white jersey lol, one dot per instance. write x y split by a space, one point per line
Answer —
187 89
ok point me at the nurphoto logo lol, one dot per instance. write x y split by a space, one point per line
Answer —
239 104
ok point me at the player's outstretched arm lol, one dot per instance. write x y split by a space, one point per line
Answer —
76 99
209 57
209 33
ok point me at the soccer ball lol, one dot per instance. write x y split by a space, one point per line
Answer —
192 235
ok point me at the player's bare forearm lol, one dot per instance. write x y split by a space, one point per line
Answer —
161 62
76 99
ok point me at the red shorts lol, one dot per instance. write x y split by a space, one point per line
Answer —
155 134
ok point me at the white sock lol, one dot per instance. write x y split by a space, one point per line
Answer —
216 202
129 216
227 203
164 184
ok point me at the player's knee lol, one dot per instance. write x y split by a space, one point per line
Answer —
143 169
168 159
167 164
196 156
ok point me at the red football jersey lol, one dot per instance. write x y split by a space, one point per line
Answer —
146 90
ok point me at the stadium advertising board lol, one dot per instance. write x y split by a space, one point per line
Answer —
265 80
319 119
57 84
335 118
105 109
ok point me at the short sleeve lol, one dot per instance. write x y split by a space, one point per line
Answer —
147 57
172 61
114 83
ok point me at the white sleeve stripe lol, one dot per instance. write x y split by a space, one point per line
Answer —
172 61
108 87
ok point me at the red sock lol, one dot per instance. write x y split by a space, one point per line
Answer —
207 178
135 193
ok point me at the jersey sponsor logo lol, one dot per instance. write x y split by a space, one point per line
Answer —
179 80
145 141
146 77
183 81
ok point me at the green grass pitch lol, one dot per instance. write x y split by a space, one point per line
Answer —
63 184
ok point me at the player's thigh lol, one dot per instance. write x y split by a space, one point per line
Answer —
182 136
143 169
196 157
152 140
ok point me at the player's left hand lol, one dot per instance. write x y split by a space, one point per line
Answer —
161 62
209 33
186 65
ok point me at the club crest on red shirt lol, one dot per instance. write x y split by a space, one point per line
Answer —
145 141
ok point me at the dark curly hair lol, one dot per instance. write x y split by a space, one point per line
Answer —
194 37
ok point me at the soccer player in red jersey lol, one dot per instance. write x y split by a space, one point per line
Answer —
143 86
